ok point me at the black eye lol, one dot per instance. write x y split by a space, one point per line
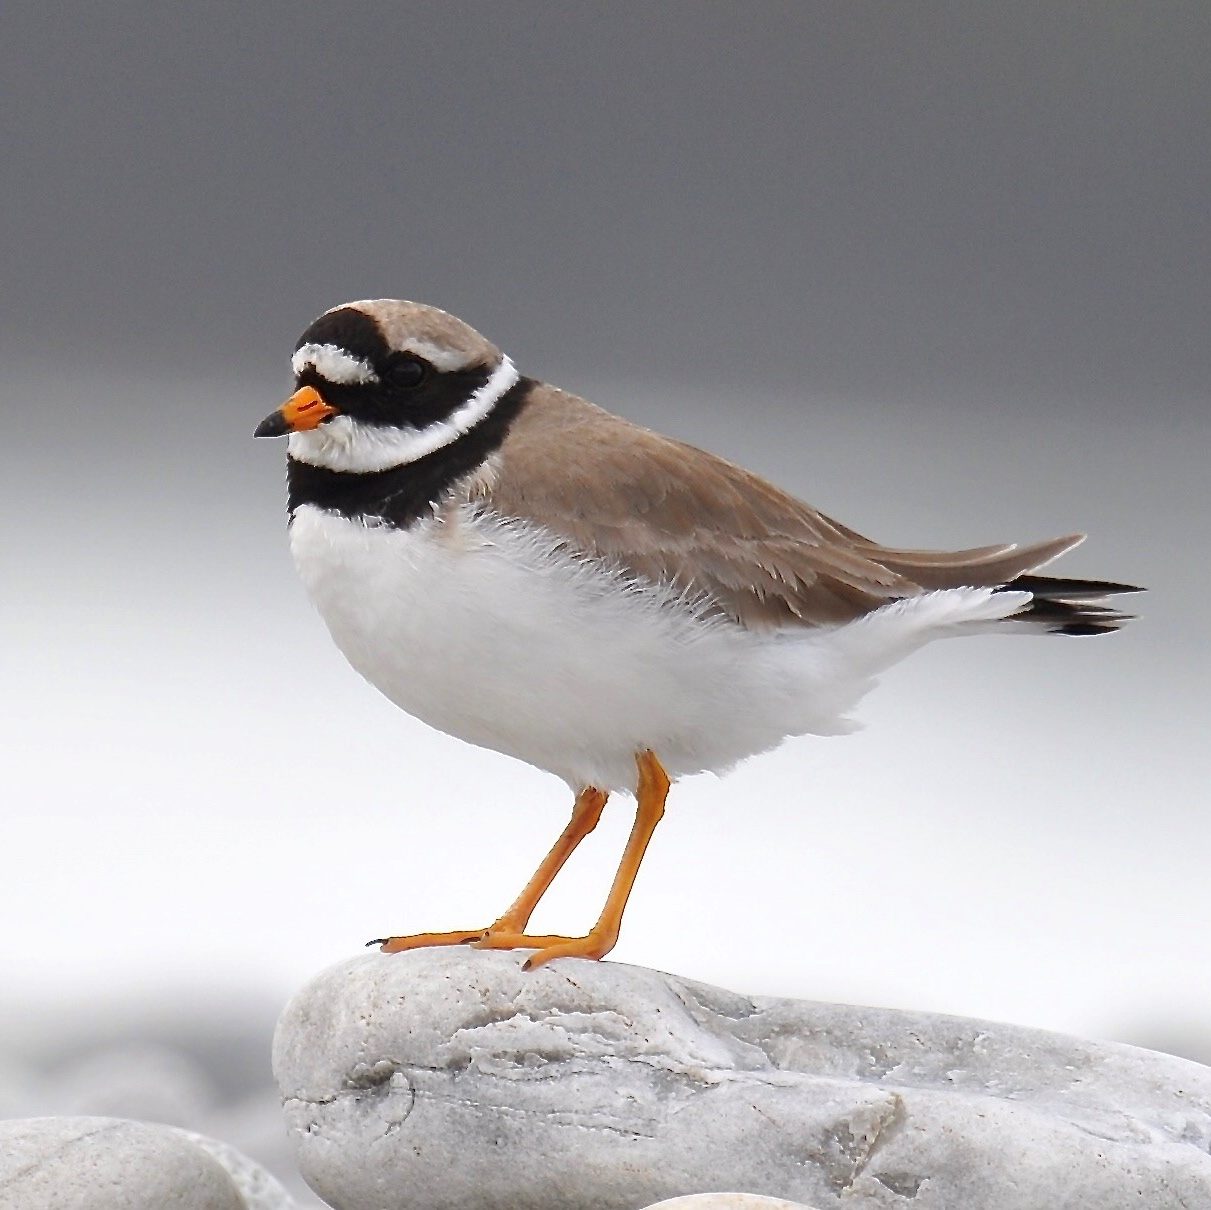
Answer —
407 371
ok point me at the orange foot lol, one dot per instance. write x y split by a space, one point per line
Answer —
397 945
516 940
593 944
512 922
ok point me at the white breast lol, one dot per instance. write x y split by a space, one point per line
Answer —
486 629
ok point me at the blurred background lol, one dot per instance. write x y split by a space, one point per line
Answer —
942 269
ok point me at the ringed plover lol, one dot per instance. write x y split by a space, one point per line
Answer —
521 569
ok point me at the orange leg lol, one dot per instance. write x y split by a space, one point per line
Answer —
652 789
585 815
590 803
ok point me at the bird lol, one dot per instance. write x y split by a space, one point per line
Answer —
517 567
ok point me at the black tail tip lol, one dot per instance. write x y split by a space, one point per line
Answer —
1087 628
1072 607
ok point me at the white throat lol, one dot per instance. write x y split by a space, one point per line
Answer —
345 444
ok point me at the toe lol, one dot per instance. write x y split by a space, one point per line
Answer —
499 940
590 946
397 945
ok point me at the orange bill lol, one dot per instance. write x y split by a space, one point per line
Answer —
305 409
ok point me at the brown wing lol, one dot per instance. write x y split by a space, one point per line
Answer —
669 512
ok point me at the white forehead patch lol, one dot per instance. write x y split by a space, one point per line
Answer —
344 444
333 364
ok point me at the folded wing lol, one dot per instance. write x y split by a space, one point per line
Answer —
672 513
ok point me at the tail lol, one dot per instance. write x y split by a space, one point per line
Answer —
969 592
841 664
1070 606
1061 606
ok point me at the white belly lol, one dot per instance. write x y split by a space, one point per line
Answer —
484 629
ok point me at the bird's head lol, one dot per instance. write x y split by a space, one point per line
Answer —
385 382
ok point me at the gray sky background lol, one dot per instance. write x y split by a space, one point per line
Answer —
942 269
984 202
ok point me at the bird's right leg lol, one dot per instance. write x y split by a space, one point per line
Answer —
586 813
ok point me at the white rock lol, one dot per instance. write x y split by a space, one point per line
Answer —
113 1164
258 1188
727 1201
451 1078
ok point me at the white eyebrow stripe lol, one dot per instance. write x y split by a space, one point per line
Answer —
342 444
436 355
333 364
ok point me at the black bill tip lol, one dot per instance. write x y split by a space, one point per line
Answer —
274 425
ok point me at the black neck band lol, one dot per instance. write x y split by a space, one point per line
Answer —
400 495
